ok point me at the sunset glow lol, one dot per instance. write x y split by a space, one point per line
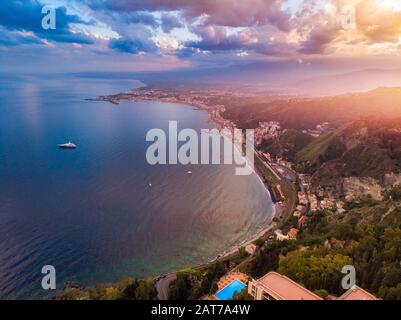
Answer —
394 4
182 34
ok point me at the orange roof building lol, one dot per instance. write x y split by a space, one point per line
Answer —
292 234
357 294
274 286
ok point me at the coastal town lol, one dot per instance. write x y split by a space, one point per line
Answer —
296 199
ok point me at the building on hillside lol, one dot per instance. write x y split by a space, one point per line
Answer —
340 206
267 130
357 293
280 236
292 234
284 163
274 286
314 204
250 248
327 203
302 198
305 180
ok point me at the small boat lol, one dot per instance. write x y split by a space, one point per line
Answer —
68 145
189 172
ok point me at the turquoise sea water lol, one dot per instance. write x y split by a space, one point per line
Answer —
90 211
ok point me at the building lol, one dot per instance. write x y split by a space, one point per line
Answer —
292 234
357 293
305 180
327 203
274 286
302 198
301 225
314 204
250 248
280 236
267 130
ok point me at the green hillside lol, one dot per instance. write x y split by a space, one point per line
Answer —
288 144
367 148
306 113
367 235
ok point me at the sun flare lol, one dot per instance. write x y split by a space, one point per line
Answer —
394 4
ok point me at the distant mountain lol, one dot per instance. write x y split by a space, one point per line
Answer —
358 81
306 113
289 76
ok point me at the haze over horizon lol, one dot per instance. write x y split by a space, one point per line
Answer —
278 42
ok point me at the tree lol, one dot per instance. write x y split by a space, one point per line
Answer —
180 288
392 240
313 270
111 294
321 293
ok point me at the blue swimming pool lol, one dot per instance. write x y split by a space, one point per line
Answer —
228 291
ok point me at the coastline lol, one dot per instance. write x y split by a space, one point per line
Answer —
222 123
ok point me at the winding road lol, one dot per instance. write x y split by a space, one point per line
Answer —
162 285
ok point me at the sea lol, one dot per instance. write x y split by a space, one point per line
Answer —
101 213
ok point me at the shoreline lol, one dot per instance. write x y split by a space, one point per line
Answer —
215 118
261 230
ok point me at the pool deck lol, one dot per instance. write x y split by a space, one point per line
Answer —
227 279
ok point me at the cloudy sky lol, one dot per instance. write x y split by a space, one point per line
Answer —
138 35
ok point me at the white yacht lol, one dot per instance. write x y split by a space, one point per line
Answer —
68 145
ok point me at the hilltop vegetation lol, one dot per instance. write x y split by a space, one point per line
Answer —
367 236
305 113
364 148
288 144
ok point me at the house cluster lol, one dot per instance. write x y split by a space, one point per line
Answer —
332 204
267 130
329 203
310 202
